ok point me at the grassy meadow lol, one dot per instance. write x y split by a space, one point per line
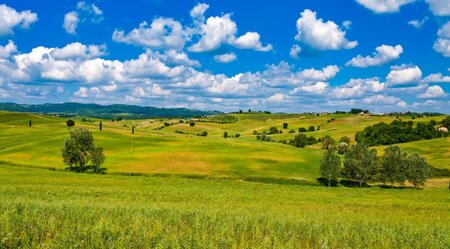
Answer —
51 209
189 191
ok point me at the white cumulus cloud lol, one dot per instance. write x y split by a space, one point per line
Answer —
432 92
442 44
10 18
400 75
383 55
225 58
321 35
439 7
384 6
295 51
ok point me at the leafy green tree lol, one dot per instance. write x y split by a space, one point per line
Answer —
273 130
100 125
98 158
345 139
225 134
311 128
393 165
330 166
327 142
446 122
360 163
29 123
132 129
237 135
70 123
302 129
342 148
418 170
191 124
78 148
285 125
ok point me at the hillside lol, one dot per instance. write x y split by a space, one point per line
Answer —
104 111
176 149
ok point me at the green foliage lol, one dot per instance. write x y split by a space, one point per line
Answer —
291 131
360 163
285 125
223 119
396 132
100 125
311 128
273 130
302 129
237 135
417 170
191 124
203 134
70 123
98 158
328 142
29 123
78 148
132 129
345 139
358 111
301 140
225 134
393 165
330 166
446 122
342 148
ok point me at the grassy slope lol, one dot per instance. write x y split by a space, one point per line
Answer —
164 151
51 209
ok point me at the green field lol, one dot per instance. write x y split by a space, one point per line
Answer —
51 209
164 151
207 192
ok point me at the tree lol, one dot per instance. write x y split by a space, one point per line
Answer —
285 125
70 123
311 128
225 134
273 130
345 139
360 163
330 166
132 129
446 122
302 129
327 142
342 148
192 124
417 170
393 165
29 123
98 158
237 135
78 148
100 125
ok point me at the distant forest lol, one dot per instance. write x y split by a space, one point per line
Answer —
116 112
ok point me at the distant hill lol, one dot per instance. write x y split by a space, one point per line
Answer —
104 111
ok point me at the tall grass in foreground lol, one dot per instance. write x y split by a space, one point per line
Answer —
47 209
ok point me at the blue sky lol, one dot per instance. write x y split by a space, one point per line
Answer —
291 56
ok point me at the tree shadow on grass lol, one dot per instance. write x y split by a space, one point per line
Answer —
353 184
324 182
86 169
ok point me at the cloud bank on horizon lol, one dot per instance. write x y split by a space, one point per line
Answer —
376 54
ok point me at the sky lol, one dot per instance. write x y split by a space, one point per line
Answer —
282 56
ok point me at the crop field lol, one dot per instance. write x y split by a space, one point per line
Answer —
50 209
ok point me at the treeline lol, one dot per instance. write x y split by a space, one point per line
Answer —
362 164
399 132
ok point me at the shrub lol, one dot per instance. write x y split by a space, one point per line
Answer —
285 125
302 129
192 124
70 123
311 128
291 131
237 135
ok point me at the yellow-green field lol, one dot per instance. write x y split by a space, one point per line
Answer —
207 192
51 209
151 151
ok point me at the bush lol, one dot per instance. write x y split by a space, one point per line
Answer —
273 130
285 125
225 134
291 131
311 128
301 129
70 123
192 124
237 135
